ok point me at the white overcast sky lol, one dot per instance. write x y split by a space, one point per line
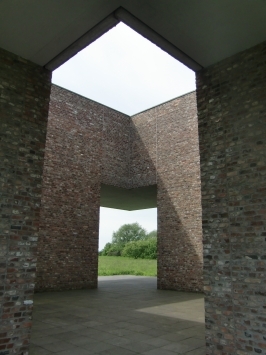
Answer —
125 71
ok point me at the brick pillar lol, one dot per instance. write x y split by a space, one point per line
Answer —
232 129
178 200
68 243
165 151
24 100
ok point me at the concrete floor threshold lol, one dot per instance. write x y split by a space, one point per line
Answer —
125 315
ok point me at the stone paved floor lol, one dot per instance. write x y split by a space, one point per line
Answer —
125 315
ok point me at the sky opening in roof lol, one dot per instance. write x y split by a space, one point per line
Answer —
125 71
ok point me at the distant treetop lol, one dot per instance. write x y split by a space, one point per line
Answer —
129 233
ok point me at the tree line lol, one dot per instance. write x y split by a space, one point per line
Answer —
131 240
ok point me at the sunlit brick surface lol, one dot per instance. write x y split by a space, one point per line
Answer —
166 152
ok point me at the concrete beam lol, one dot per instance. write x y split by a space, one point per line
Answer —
129 199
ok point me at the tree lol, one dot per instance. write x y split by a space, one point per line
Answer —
129 233
111 249
143 249
152 234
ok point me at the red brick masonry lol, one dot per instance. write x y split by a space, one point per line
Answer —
89 144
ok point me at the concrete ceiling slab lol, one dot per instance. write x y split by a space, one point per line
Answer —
204 31
39 30
128 199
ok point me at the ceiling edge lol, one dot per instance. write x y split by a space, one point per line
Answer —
133 22
122 15
92 35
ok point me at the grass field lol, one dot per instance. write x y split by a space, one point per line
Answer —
119 265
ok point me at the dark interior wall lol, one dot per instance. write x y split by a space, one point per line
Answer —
24 99
165 150
231 99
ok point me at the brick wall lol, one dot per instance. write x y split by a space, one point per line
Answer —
88 144
116 149
231 99
166 152
143 148
24 98
231 107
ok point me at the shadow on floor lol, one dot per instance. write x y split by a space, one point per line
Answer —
125 315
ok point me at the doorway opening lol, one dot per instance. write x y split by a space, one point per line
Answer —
127 242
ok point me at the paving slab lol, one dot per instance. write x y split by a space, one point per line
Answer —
125 315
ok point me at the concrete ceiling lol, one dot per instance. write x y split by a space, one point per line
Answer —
197 32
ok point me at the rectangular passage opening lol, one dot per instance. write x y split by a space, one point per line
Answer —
128 242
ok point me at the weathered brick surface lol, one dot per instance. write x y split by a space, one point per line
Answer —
231 106
116 148
143 148
166 152
24 98
231 99
88 144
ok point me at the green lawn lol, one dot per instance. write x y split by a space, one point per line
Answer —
119 265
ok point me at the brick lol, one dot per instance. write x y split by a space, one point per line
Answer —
24 92
232 115
89 144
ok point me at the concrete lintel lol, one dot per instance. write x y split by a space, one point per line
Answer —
129 199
